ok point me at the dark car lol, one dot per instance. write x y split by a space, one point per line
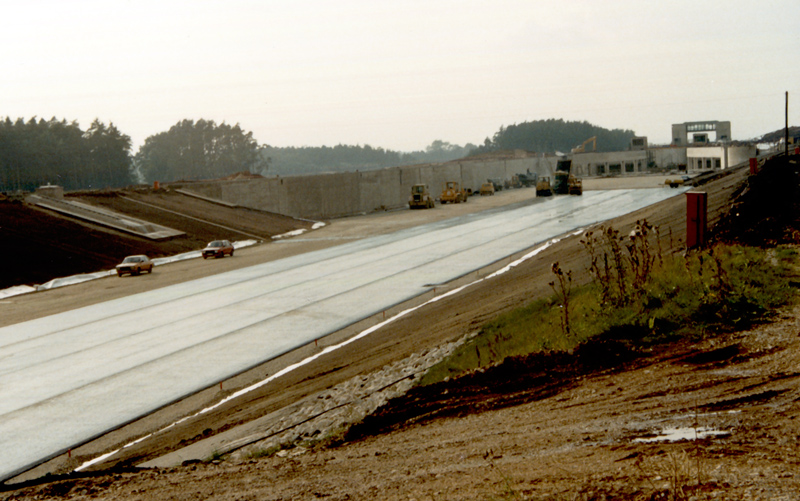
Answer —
135 265
218 248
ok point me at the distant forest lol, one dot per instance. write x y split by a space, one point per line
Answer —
554 135
37 152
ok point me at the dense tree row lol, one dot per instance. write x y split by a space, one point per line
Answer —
339 158
198 150
345 158
39 152
554 135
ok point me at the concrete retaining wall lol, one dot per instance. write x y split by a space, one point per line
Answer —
341 194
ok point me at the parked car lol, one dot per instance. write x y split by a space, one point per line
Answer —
218 248
135 265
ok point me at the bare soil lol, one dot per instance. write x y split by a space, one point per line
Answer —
44 245
549 426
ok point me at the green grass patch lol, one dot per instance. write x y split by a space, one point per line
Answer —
725 288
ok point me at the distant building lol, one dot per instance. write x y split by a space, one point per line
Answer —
692 150
699 132
639 143
718 157
609 163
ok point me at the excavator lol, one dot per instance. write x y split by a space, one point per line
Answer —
582 147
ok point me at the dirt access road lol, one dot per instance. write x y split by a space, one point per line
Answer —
576 440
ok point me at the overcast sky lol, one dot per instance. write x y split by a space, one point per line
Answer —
400 74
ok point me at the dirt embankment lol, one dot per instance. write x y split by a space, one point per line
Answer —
588 426
44 245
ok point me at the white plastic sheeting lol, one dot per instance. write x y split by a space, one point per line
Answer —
16 291
70 377
299 232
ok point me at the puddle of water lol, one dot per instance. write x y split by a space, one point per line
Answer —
676 434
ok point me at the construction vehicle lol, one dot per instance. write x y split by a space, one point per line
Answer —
420 197
497 182
487 189
453 193
582 147
677 182
575 185
528 179
566 183
543 187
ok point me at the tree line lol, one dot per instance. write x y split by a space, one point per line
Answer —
37 152
554 135
348 158
192 150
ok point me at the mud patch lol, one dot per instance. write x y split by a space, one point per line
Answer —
756 399
719 357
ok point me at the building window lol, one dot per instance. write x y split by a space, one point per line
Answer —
628 167
717 163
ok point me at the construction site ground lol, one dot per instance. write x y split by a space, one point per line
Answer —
44 245
552 426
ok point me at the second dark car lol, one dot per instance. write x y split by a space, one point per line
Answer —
218 248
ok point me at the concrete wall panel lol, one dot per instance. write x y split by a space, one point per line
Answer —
340 194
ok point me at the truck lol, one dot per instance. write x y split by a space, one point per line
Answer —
566 183
527 180
453 193
420 197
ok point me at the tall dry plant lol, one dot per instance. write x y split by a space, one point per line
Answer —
620 265
562 286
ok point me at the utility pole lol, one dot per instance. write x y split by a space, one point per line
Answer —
786 134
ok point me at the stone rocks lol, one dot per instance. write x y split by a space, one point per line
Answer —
330 413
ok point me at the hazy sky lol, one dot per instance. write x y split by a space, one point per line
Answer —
400 74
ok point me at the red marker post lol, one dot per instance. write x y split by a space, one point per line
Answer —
696 218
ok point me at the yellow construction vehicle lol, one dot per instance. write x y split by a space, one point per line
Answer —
543 187
453 193
420 197
575 185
